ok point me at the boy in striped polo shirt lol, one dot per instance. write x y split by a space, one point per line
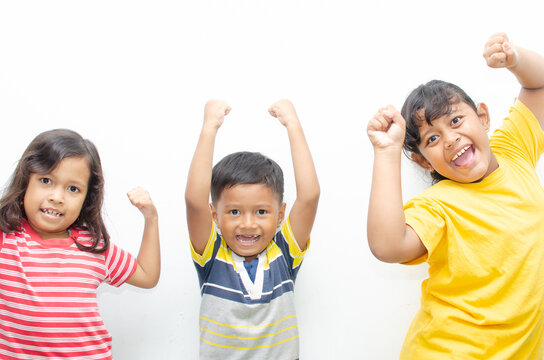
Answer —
247 257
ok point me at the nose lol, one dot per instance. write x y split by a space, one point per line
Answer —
56 195
248 220
452 138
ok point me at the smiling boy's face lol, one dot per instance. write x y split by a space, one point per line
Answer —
248 216
456 144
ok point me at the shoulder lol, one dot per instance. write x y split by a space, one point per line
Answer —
82 236
12 239
519 136
519 118
435 194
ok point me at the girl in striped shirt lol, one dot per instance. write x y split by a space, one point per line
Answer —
55 251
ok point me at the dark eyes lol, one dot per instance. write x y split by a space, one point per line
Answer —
454 122
237 212
432 139
48 181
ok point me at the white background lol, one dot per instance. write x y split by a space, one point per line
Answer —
133 76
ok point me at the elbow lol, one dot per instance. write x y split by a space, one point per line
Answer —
150 283
317 193
314 198
382 250
150 278
382 254
310 196
189 200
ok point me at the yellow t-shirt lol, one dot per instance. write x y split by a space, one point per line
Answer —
484 298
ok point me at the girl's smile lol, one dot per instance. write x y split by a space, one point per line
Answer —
456 144
53 201
464 157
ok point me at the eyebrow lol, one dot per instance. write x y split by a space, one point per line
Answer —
454 110
79 183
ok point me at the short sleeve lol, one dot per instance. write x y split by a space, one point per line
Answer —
204 262
120 265
427 220
289 246
520 136
207 254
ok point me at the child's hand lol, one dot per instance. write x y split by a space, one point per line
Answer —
499 52
214 113
386 129
141 199
284 111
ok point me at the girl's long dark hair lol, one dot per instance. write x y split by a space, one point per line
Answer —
42 156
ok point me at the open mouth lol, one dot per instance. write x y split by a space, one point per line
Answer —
464 156
247 239
51 212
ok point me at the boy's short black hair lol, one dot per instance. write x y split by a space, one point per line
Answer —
436 98
246 167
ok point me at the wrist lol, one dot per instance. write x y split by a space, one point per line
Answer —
151 217
292 123
388 149
209 129
387 153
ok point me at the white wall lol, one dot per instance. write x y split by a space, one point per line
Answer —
133 76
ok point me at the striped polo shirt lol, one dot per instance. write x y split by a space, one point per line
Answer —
244 319
48 307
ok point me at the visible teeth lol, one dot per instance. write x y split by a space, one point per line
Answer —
460 152
51 212
247 238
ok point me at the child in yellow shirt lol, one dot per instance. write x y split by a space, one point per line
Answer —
480 227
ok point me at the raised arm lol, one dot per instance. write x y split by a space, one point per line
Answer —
304 208
197 192
389 238
526 65
148 269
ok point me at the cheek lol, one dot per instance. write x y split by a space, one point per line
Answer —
28 197
80 206
77 208
23 204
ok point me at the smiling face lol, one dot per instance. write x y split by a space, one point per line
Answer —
53 201
248 216
456 144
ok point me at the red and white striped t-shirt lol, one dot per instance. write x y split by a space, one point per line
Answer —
48 306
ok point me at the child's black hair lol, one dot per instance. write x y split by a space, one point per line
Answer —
246 168
436 99
42 156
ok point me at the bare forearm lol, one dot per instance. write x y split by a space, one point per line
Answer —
200 172
306 180
386 223
197 192
302 214
149 256
529 70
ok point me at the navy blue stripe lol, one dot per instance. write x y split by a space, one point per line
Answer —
237 297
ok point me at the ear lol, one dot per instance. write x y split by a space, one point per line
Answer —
421 161
281 214
483 115
214 213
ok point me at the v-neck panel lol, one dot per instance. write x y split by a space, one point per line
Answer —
253 288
